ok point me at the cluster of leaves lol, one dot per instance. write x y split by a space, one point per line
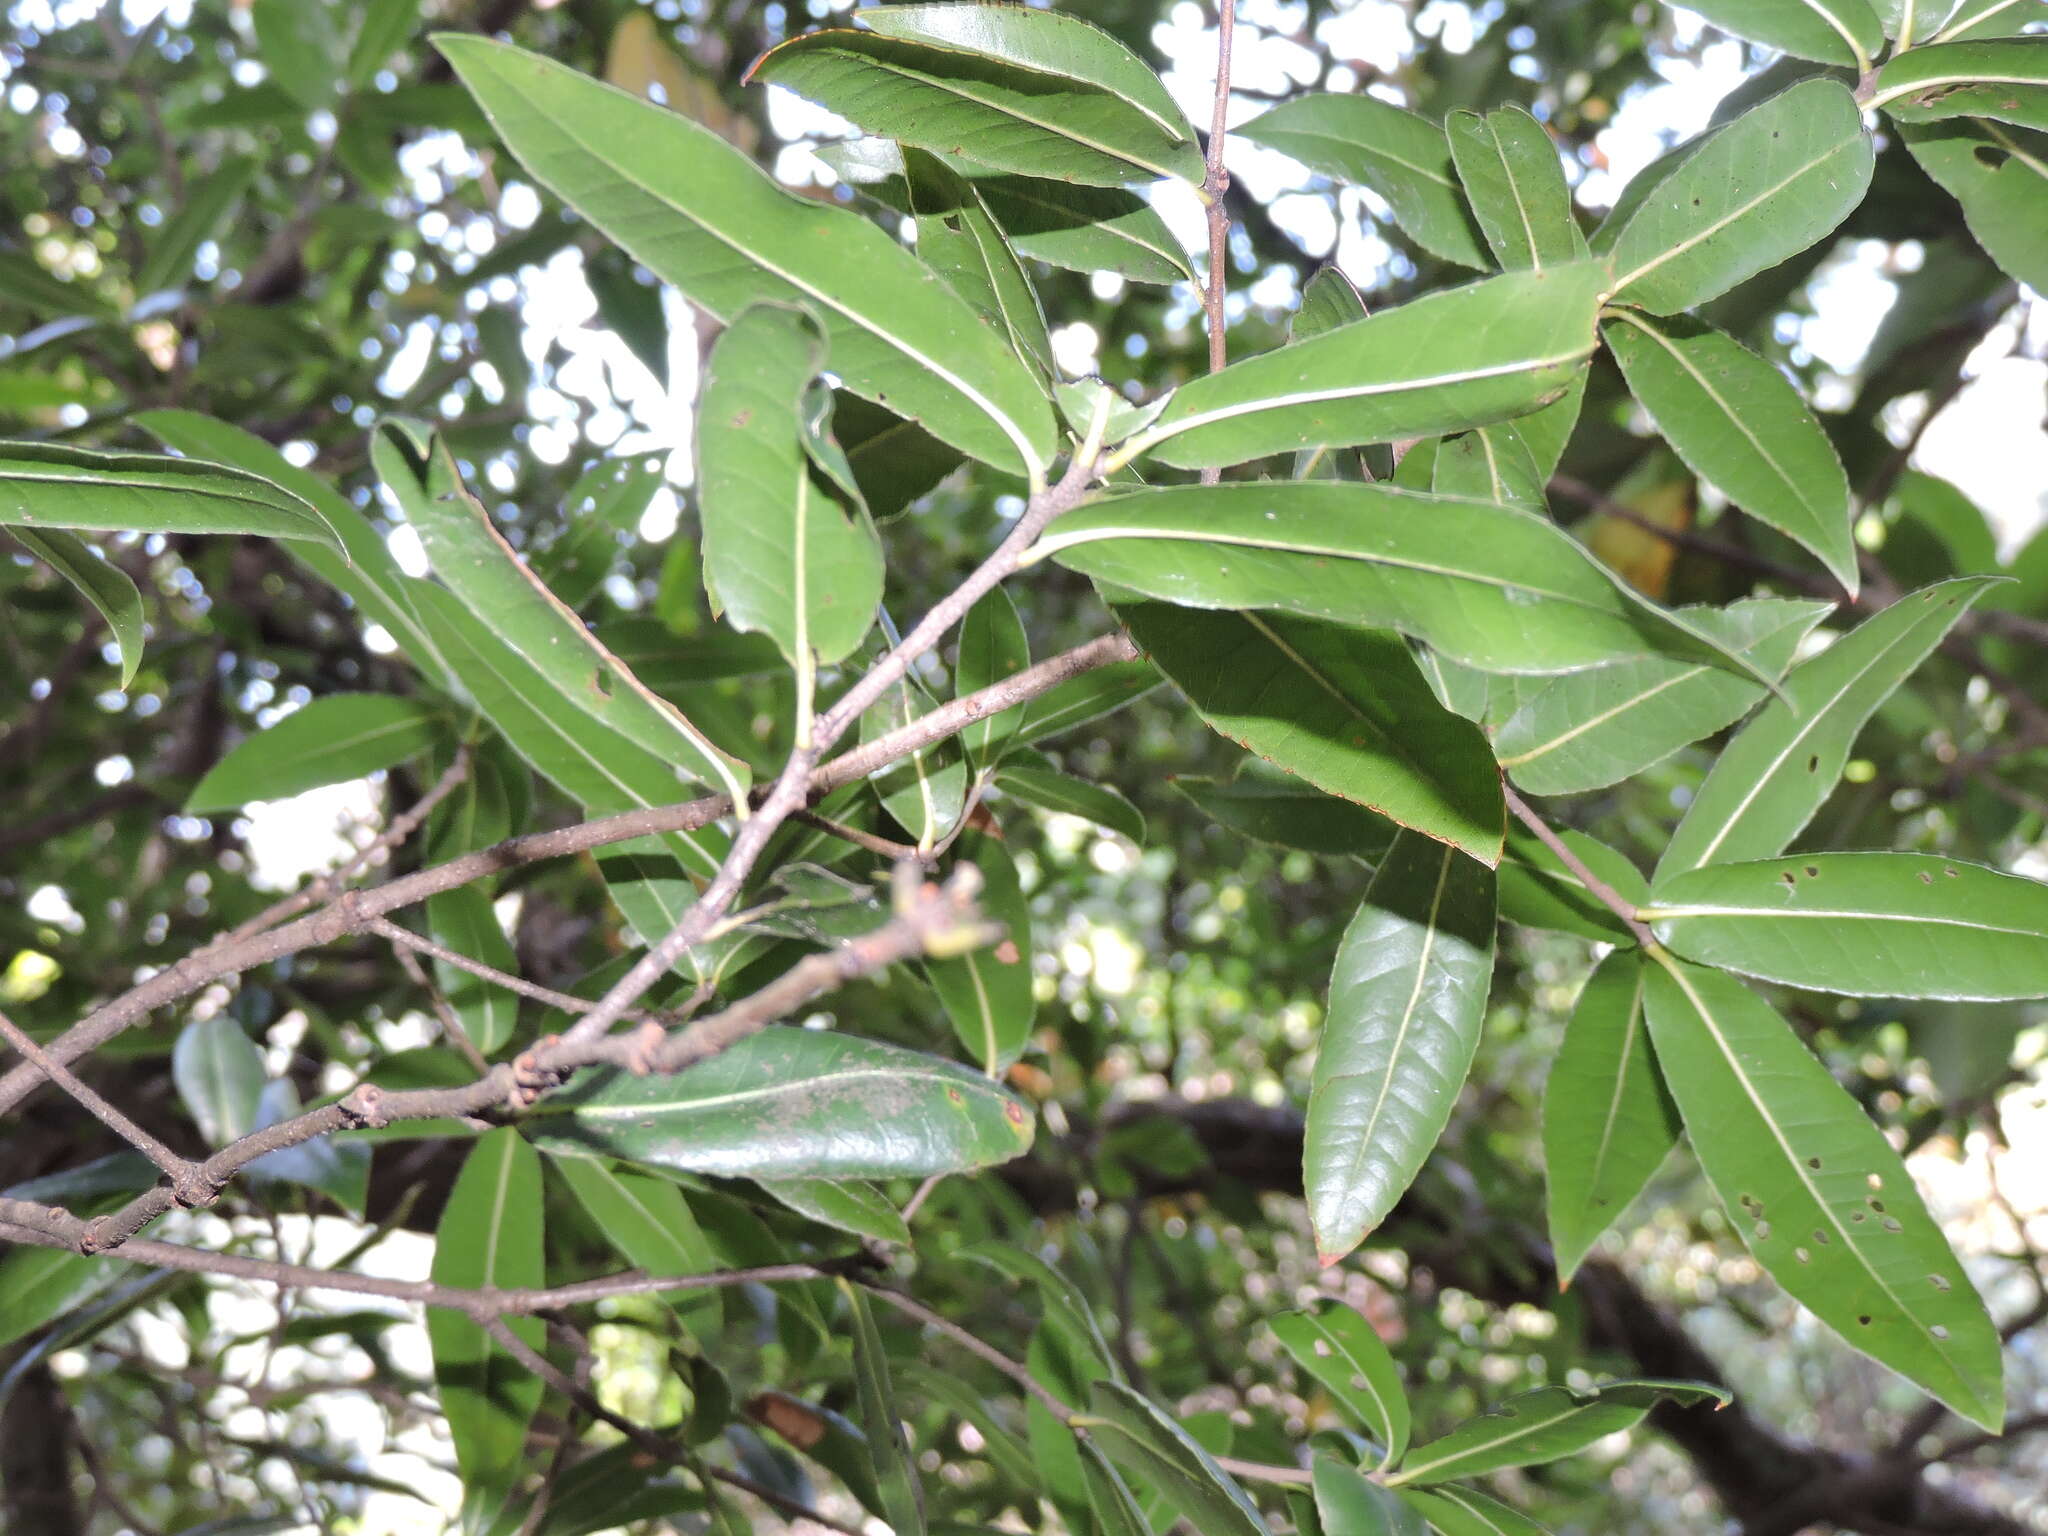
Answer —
1375 603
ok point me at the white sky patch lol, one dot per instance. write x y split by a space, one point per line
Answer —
292 838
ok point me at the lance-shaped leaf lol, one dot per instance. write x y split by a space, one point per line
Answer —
47 485
2005 78
1830 31
1515 184
1365 142
1035 781
1278 808
1608 1121
895 1469
1489 464
987 991
100 582
1455 1511
1114 1505
1349 1502
219 1074
472 557
1593 728
490 1235
1345 709
1493 587
1407 998
1738 422
1067 1312
1461 358
1546 433
1759 189
782 555
646 1218
1002 114
329 741
702 216
794 1103
1816 1191
1984 18
1540 890
1773 776
1149 1444
992 646
964 1398
1866 924
851 1205
1328 300
1543 1426
959 239
2000 175
1339 1349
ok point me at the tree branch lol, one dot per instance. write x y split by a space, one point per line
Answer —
1215 190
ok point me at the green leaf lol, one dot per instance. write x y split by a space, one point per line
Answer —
1109 1496
1774 775
1365 142
1460 358
382 31
337 737
100 582
472 557
340 1170
462 920
1149 1444
490 1235
1539 890
700 215
1986 18
2000 176
781 556
1515 183
958 238
1829 31
1762 188
1546 433
895 1469
1337 1346
300 48
1085 229
1019 91
1608 1121
1040 784
993 645
1407 998
1345 709
2005 78
1489 464
1738 422
46 485
1816 1191
1079 700
1493 587
1275 807
651 1225
209 201
1328 300
1455 1511
965 1399
1347 1502
793 1104
1865 924
1543 1426
1067 1312
851 1205
894 461
220 1075
1593 728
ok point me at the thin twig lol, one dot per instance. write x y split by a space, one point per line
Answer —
1215 185
888 848
1599 889
175 1168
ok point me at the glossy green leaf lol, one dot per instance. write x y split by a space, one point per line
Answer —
1489 464
1999 174
1762 188
1085 229
462 920
100 582
782 556
1593 728
1738 422
335 738
1491 586
1460 358
47 485
1345 709
1109 1496
1002 114
1866 924
2004 78
992 646
651 1225
702 216
1365 142
1515 183
895 1469
1407 998
490 1235
1278 808
1829 31
1455 1511
1080 700
220 1075
1340 1349
926 791
1066 1310
1539 890
958 238
1328 300
1543 1426
1773 776
1147 1443
471 556
1347 1501
1608 1121
1816 1191
1039 784
1984 18
851 1205
300 48
793 1103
